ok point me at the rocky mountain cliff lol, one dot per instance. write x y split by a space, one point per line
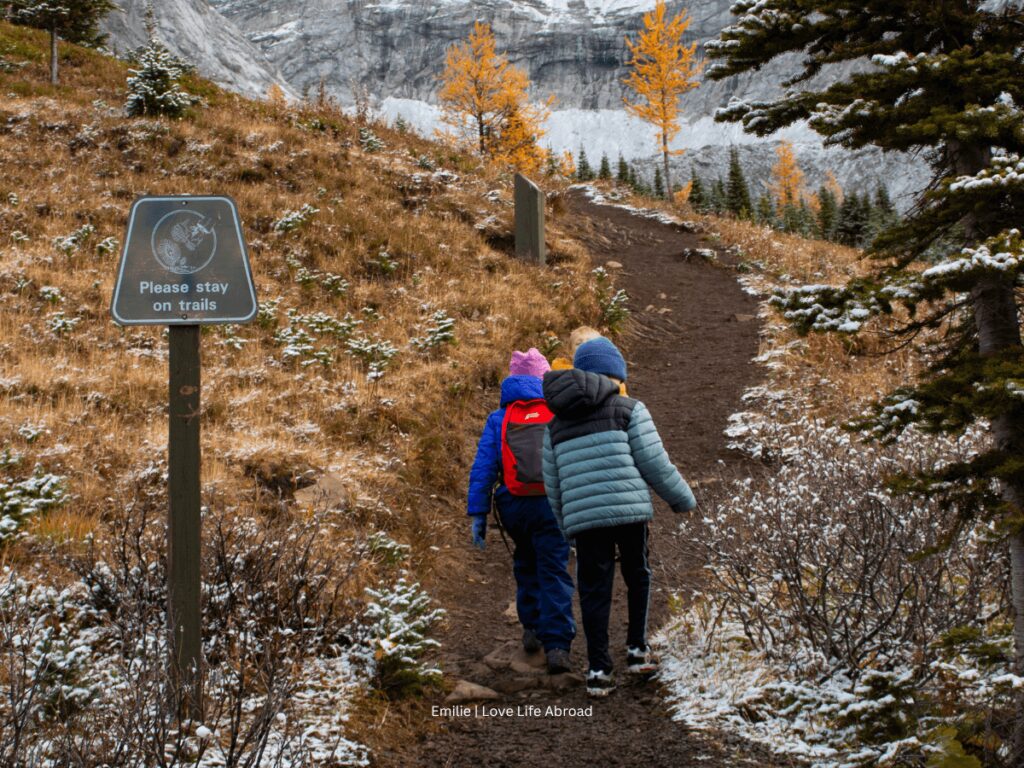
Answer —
201 36
573 49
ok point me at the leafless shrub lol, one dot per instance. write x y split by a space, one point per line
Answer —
819 554
86 666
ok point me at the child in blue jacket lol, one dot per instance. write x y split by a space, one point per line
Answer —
540 562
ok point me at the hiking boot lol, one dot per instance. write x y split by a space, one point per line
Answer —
600 684
640 661
558 661
531 643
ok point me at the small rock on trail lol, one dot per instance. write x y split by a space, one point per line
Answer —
466 692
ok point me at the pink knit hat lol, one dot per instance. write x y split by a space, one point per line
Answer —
529 363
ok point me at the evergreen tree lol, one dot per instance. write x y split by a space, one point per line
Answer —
153 87
882 200
623 173
961 61
828 212
605 174
698 197
76 21
737 192
583 170
766 211
882 214
718 196
659 184
852 220
789 218
634 182
552 164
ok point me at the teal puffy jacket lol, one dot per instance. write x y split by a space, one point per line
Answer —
601 452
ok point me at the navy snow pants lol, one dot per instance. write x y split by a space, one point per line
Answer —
541 565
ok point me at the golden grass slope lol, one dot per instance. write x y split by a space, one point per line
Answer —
401 233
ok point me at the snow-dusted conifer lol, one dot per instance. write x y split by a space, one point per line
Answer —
947 80
153 85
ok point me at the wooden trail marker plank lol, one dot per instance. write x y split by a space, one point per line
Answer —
529 207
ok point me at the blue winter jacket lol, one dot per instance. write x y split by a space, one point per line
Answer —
601 452
486 470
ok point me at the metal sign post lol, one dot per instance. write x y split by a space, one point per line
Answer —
184 265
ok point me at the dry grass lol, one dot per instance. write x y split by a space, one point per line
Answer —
842 373
69 158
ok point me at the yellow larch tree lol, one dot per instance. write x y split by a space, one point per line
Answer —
484 98
518 141
663 69
275 95
787 178
567 165
682 195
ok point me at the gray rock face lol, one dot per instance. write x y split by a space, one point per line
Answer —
573 49
200 35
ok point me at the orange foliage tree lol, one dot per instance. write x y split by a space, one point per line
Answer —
663 69
275 95
787 178
484 99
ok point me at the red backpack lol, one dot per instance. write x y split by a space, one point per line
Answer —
522 446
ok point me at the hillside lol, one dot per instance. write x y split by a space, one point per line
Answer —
389 305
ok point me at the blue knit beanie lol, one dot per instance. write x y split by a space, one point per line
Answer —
600 356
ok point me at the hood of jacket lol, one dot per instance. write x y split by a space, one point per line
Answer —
521 387
574 393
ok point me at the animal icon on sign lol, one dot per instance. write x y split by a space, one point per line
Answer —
184 241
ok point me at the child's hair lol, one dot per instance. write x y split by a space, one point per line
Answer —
579 336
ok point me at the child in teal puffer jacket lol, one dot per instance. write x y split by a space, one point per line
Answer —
601 452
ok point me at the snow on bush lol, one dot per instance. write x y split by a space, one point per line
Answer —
292 220
60 324
840 620
374 353
309 339
20 500
395 627
613 303
68 244
287 647
439 331
369 141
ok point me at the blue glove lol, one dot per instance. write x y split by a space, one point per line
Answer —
479 530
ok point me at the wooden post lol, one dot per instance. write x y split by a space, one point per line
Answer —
529 199
184 539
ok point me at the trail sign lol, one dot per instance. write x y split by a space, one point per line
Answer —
184 263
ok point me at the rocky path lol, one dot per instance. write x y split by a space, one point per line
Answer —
689 349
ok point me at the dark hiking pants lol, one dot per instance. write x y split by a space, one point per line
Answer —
595 575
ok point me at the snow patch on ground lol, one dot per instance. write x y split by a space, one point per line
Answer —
598 198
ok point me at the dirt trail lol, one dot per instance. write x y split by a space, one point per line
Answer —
689 351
